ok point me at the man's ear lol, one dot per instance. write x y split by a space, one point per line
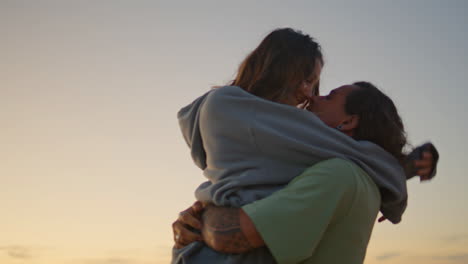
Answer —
349 125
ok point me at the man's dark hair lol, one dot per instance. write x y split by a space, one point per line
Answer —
379 121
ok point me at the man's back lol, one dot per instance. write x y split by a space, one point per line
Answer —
325 215
346 240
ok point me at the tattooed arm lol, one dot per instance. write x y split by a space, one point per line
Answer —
229 230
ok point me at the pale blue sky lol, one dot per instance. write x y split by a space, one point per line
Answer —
92 163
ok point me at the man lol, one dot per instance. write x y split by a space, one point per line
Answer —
325 215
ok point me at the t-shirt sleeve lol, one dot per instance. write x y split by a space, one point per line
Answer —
293 220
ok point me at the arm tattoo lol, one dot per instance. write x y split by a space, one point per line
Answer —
222 230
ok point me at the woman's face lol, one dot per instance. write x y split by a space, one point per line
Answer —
331 108
311 85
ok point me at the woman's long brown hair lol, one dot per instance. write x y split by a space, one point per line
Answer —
278 66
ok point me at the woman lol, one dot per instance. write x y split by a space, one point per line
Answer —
251 140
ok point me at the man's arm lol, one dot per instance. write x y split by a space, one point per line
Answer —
299 213
229 230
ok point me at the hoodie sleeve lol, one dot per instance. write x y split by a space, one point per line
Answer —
190 127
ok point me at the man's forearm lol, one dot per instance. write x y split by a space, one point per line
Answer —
228 230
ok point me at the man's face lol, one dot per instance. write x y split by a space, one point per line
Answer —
331 108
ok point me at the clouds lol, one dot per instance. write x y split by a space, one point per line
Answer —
28 253
17 252
115 260
455 238
455 258
455 242
130 255
111 260
387 256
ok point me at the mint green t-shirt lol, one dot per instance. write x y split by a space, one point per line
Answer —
325 215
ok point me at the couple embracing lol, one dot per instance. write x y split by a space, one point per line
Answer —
293 177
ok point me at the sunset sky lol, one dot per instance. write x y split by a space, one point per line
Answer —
94 169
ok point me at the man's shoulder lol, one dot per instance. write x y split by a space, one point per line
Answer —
338 163
337 173
335 167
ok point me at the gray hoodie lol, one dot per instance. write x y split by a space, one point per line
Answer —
249 147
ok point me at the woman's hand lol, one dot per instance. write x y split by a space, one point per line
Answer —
422 161
425 166
187 227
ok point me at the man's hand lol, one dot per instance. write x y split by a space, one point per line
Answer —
224 229
187 228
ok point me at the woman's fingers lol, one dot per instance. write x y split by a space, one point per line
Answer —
424 166
183 236
424 173
187 217
198 207
426 160
187 224
421 164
